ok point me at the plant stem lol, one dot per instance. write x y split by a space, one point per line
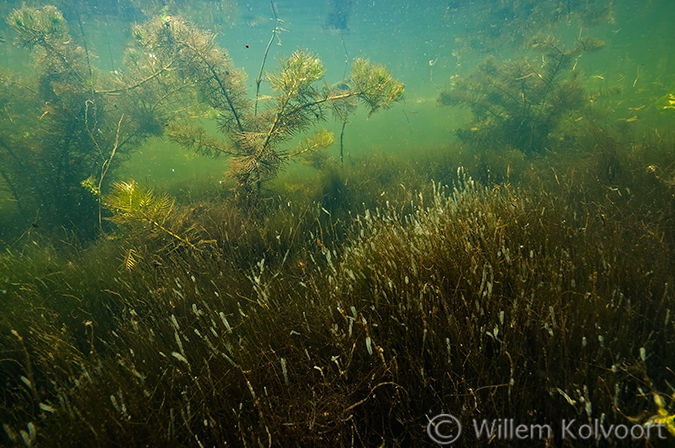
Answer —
29 367
139 83
104 171
258 80
342 135
220 84
169 232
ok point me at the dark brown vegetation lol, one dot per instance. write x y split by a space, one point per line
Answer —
299 328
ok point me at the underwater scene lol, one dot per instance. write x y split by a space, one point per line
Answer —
337 223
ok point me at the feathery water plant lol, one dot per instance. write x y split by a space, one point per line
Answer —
141 208
256 135
516 104
63 124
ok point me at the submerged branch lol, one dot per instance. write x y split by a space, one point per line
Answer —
104 171
258 80
139 83
221 85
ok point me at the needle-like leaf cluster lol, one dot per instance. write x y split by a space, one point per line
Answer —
255 139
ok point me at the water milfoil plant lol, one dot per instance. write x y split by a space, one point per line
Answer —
258 137
523 103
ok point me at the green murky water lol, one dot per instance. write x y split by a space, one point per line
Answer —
325 223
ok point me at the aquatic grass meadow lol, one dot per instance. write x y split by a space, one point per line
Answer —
296 328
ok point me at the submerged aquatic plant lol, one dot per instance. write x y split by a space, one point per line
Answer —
353 320
61 126
482 300
518 104
75 123
491 25
46 147
141 208
256 137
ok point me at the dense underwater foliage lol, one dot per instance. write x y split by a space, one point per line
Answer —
524 270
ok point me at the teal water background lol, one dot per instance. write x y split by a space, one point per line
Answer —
424 44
